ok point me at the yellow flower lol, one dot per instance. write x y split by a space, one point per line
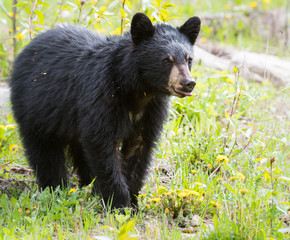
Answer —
170 193
103 9
154 200
20 210
11 126
166 210
72 190
13 148
217 205
183 194
241 176
19 36
142 195
2 127
55 225
253 4
203 39
27 211
219 179
193 193
193 171
10 14
148 207
243 191
198 184
229 80
228 17
186 193
209 166
222 159
232 178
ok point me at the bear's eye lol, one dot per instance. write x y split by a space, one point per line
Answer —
166 61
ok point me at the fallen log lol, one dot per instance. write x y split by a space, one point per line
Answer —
252 66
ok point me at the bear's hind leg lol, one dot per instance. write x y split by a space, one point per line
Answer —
46 157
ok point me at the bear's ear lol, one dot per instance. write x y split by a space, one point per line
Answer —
141 28
191 29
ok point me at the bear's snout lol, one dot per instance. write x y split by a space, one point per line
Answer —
188 84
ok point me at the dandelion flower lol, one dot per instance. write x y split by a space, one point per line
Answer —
183 194
166 210
20 210
232 178
209 166
142 195
27 211
72 190
253 4
241 176
148 207
198 184
217 205
193 171
243 191
203 39
13 148
222 159
155 200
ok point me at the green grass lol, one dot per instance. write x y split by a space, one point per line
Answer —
246 198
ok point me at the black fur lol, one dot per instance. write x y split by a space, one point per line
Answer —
105 97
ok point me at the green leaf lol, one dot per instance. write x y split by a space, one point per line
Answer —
230 188
40 16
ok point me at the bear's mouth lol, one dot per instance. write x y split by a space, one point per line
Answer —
180 93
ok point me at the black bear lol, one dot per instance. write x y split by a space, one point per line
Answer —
104 98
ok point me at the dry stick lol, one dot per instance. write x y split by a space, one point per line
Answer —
34 3
5 164
14 27
122 18
218 167
285 38
80 12
236 99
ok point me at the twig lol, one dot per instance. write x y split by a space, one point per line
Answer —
14 27
5 164
34 3
285 39
218 167
122 18
233 108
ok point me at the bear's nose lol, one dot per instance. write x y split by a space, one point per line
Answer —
188 84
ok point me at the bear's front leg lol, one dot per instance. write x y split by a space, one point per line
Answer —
137 155
105 166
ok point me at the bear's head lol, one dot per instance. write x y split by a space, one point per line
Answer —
164 54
